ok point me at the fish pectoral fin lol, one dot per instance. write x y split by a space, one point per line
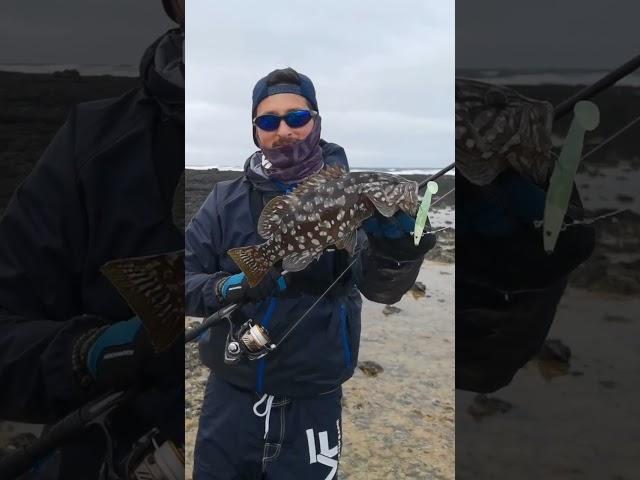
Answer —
381 205
294 262
271 216
348 242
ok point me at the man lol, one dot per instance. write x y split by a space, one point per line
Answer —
279 417
103 190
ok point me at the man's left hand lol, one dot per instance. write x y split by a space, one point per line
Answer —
393 236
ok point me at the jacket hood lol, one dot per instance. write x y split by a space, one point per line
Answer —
162 73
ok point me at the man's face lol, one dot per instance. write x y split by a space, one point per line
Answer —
281 104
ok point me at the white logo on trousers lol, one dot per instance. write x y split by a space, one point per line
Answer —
326 455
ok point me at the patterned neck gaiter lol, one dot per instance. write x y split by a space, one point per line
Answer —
294 162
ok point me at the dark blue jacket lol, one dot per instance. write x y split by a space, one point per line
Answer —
322 351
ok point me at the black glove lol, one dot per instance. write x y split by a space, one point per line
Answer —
392 237
121 355
236 288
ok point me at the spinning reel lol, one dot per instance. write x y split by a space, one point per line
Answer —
251 340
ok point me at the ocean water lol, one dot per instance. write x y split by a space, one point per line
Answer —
85 70
395 171
503 76
544 76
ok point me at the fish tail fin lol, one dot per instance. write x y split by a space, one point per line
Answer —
253 261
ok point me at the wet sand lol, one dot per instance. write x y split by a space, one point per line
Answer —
564 421
399 423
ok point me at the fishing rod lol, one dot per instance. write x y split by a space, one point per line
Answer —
152 457
565 107
95 412
207 323
605 82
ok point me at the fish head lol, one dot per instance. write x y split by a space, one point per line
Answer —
496 127
403 194
410 201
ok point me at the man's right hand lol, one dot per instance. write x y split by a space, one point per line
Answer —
236 288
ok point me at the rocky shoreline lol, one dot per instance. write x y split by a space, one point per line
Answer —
33 107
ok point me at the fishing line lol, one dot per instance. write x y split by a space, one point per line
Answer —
356 256
612 137
443 196
586 221
607 140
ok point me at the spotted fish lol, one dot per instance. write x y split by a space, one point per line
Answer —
497 128
326 209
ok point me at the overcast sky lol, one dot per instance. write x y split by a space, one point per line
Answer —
546 33
383 73
112 32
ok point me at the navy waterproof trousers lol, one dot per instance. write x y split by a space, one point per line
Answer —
246 436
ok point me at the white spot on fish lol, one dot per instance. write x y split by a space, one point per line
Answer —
315 241
341 200
340 215
301 246
310 234
290 247
323 233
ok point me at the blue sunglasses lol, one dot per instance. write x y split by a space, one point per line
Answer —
294 119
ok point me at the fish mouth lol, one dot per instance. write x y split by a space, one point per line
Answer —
412 203
412 210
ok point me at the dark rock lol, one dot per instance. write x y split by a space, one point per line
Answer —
69 73
370 368
616 319
391 310
553 359
554 349
418 290
608 383
624 198
485 406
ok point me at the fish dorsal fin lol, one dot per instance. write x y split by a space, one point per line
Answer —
348 242
271 216
380 202
313 182
333 171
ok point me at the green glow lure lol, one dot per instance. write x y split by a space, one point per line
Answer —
586 118
421 217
